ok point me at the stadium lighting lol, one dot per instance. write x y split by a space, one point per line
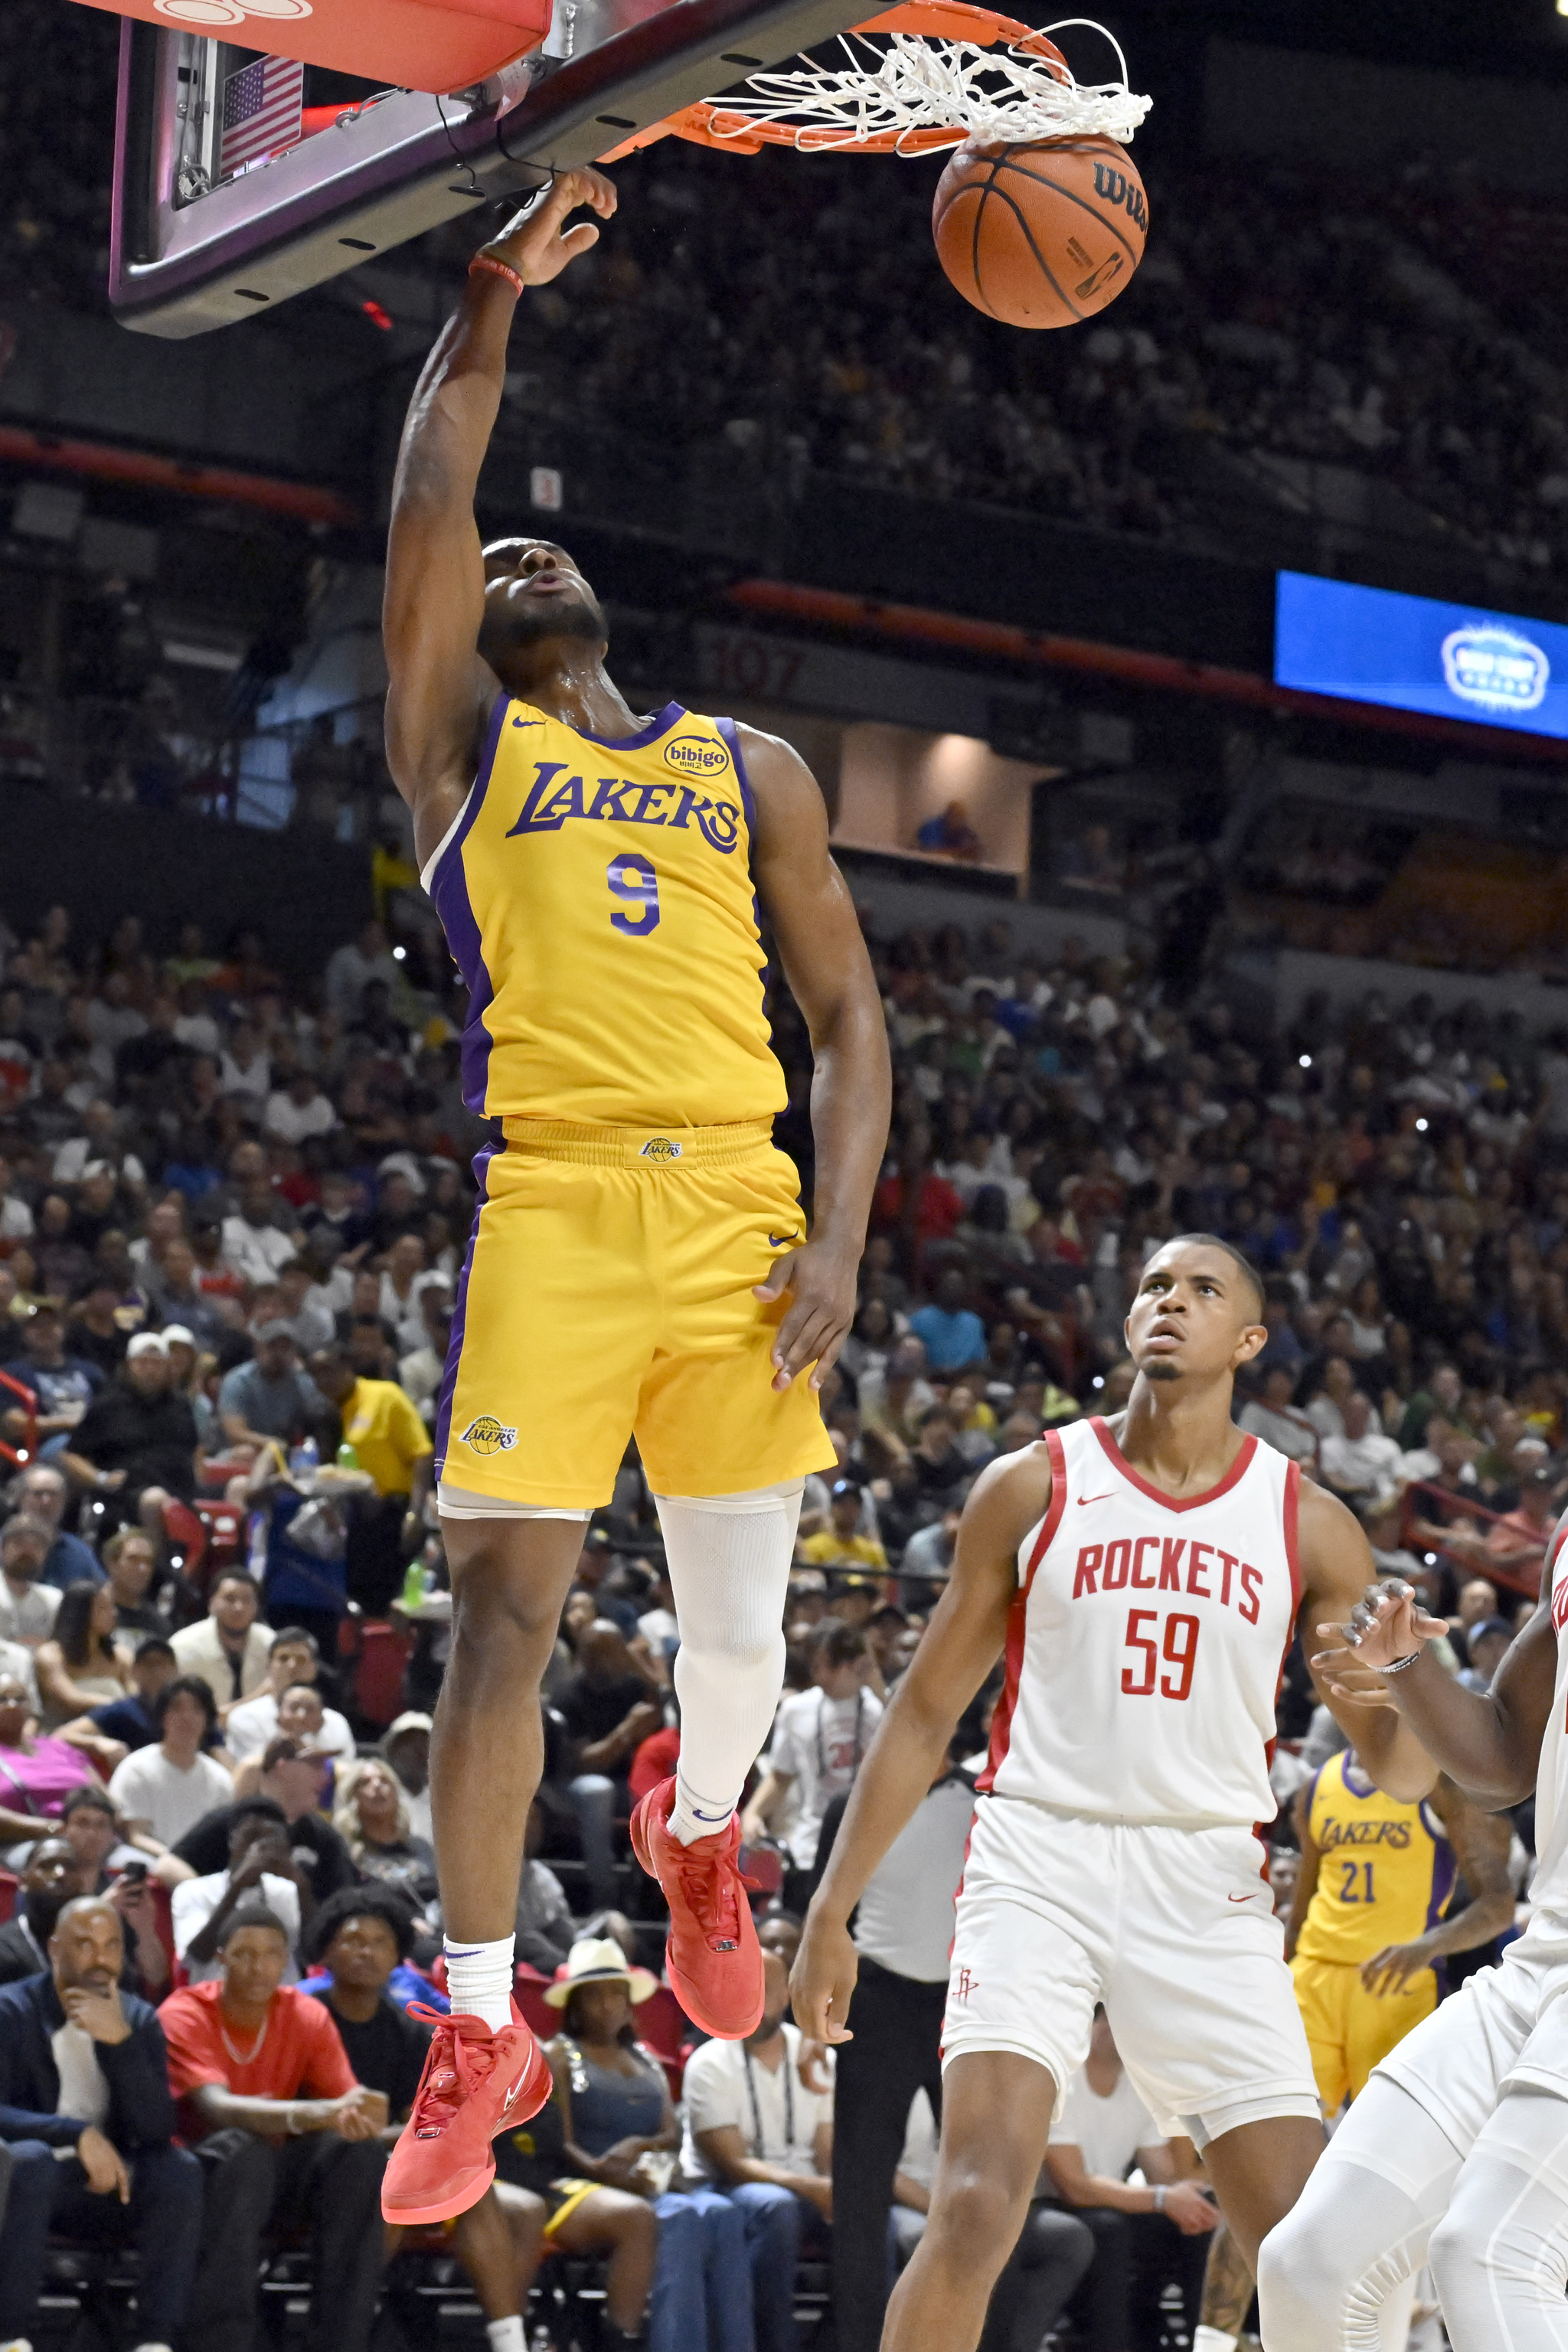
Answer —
398 954
1420 1126
1305 1060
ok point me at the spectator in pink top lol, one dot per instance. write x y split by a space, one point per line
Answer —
36 1773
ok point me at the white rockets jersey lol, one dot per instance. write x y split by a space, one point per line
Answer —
1549 1887
1147 1639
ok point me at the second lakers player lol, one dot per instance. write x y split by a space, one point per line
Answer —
640 1262
1369 1926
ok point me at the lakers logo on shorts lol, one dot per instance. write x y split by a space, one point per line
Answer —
660 1147
488 1435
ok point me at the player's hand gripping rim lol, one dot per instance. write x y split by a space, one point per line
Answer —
822 1981
1387 1625
532 242
820 1313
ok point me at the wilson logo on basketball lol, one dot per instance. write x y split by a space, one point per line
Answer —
1114 185
689 755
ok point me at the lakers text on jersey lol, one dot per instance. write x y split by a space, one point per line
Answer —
1113 1856
597 898
1385 1875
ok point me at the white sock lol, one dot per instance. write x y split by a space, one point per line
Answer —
479 1979
506 2334
1213 2339
728 1558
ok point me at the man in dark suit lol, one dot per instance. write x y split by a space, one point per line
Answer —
84 2068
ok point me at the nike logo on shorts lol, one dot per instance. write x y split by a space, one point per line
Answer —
778 1240
1241 1898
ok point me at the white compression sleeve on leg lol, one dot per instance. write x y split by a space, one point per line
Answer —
1360 2228
1500 2253
729 1560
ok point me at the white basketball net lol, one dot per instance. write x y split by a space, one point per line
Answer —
918 82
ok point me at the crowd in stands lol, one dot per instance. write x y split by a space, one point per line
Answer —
1371 325
232 1211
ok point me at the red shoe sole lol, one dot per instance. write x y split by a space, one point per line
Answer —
722 2030
449 2203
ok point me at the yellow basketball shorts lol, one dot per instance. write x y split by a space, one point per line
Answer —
607 1293
1349 2029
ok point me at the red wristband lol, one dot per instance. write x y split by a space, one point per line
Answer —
495 269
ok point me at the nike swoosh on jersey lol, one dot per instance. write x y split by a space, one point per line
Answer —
1084 1500
1241 1898
528 722
778 1240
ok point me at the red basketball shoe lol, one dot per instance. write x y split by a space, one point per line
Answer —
476 2083
712 1955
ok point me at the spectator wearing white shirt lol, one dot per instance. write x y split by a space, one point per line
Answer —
164 1790
27 1608
300 1111
261 1865
754 2130
1147 2232
254 1246
245 1069
820 1736
1361 1465
289 1704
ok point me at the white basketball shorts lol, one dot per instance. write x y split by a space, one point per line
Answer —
1506 2028
1174 1929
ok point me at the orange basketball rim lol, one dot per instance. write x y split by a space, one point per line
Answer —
897 98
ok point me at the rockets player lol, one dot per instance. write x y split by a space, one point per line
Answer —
1457 2152
1145 1574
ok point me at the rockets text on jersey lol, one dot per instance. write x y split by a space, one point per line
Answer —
1147 1638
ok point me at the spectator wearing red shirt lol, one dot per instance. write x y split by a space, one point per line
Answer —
286 2139
1516 1543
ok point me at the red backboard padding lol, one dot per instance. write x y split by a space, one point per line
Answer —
431 44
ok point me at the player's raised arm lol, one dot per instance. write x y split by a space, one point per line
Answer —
909 1745
1488 1743
433 599
1337 1568
824 961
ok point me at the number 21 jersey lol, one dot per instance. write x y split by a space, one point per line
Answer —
597 898
1147 1638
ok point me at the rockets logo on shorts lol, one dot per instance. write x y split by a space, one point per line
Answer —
488 1435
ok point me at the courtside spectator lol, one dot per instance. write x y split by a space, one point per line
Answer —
229 1647
80 1665
27 1608
756 2132
293 1657
42 1492
130 1560
165 1789
137 1440
132 1720
271 1397
285 2135
1146 2235
89 2121
406 1744
292 1775
819 1738
37 1772
261 1869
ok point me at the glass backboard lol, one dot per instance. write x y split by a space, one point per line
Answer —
245 174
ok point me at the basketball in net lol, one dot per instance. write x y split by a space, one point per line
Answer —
1043 233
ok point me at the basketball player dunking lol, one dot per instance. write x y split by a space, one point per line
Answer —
1145 1575
637 1261
1457 2151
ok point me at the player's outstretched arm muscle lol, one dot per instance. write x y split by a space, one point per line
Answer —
1337 1567
906 1755
824 961
1489 1744
433 597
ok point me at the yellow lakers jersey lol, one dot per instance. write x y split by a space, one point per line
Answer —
597 898
1385 1872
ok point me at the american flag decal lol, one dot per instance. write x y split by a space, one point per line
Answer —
261 112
